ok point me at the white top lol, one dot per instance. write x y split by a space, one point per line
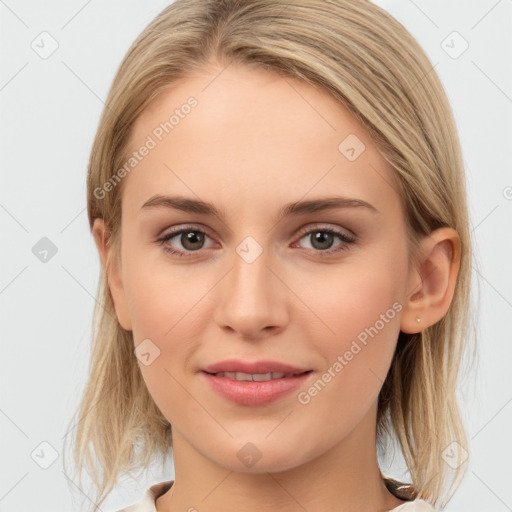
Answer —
147 504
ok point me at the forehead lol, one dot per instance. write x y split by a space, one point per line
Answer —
239 135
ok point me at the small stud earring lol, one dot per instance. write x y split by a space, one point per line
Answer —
418 319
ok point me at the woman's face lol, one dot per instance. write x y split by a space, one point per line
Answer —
320 289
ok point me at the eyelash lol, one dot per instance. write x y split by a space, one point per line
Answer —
347 240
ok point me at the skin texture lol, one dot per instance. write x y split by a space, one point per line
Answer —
254 142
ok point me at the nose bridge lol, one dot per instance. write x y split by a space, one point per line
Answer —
250 272
251 299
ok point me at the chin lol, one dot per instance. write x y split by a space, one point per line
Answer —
259 458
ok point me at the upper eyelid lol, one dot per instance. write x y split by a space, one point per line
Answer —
185 227
319 226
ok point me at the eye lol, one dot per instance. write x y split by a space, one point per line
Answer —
322 239
190 238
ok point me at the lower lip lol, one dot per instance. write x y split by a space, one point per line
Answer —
253 392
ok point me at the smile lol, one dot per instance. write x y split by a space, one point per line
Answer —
254 376
253 389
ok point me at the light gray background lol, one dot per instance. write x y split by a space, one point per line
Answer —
49 113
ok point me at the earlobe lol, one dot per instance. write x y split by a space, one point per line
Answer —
432 282
111 267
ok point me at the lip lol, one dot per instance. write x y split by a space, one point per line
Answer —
254 393
237 365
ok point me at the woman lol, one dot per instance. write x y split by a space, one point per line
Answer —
276 192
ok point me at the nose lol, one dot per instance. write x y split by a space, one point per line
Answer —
252 299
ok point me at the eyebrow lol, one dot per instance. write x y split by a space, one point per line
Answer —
295 208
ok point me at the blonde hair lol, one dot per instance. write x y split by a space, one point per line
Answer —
369 62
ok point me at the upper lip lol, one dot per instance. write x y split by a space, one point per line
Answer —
251 367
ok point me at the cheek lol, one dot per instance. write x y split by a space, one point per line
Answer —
168 304
162 297
360 306
353 295
169 309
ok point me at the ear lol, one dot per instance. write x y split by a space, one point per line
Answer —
111 267
431 282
